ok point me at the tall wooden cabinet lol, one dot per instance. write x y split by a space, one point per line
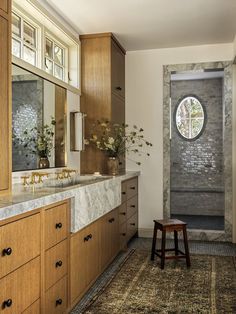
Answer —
5 99
103 91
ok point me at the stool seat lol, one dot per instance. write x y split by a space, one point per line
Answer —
170 225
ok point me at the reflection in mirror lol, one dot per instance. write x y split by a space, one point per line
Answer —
38 142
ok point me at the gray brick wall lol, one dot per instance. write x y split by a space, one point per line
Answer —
198 165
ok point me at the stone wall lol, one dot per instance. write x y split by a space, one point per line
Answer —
198 164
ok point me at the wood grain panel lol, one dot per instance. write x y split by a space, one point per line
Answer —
23 239
56 298
56 265
56 222
122 213
5 131
132 226
34 308
117 70
132 206
132 187
22 287
4 5
60 127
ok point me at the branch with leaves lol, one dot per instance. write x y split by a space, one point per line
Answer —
116 139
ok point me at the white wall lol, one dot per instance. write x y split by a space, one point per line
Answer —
144 103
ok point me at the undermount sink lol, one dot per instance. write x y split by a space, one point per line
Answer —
76 180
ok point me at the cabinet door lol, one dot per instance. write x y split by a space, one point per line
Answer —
85 262
5 156
118 70
4 5
115 237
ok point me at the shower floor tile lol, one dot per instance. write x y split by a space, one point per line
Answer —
202 222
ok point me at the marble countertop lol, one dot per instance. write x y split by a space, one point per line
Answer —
89 201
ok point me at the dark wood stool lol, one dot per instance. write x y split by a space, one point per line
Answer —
170 225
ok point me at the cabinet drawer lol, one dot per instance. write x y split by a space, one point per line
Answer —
21 288
56 225
123 192
56 264
56 297
34 308
122 213
123 235
132 226
132 187
132 206
19 243
4 5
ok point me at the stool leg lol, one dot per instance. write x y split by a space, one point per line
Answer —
186 247
176 242
163 248
154 239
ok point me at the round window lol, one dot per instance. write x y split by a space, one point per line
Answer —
190 117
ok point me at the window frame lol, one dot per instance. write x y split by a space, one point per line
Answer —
36 48
190 119
48 35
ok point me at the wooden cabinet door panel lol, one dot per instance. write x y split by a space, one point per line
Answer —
55 263
132 188
123 235
118 70
4 5
122 213
4 105
132 206
79 267
132 226
93 252
19 243
114 231
56 298
22 287
56 225
34 308
118 109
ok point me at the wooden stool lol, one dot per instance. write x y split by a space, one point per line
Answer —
169 225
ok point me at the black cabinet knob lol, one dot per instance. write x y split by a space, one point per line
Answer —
7 303
132 224
132 188
58 302
58 225
133 206
111 220
90 236
124 213
58 263
120 163
7 251
124 234
118 88
123 193
86 238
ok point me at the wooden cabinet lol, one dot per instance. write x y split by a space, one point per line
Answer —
56 225
4 5
103 91
85 259
21 288
128 211
34 308
109 237
5 99
56 301
19 243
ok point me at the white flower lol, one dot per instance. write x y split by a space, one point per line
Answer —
111 140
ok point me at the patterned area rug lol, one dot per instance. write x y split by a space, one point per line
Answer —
140 286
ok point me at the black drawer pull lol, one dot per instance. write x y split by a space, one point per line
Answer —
58 225
90 236
58 302
7 251
132 188
86 238
59 264
124 234
124 213
132 224
120 163
118 88
111 220
7 303
133 206
123 193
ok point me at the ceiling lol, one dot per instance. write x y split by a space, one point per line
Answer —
149 24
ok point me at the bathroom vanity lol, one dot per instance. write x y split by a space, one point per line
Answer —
55 241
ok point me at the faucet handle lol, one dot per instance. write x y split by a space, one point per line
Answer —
25 180
41 175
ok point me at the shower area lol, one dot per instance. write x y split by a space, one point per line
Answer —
197 187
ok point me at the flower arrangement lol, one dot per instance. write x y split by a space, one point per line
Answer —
38 140
116 139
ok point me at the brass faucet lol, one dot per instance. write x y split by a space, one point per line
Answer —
67 172
33 177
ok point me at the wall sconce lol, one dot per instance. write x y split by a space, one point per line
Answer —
77 131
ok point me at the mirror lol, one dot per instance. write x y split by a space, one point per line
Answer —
38 122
